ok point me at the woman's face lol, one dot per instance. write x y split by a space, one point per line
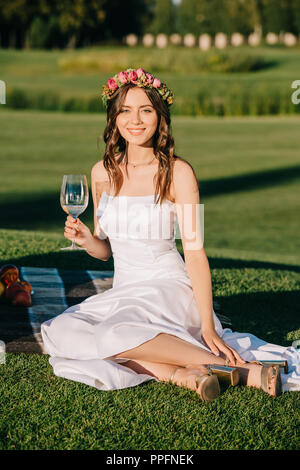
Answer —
137 120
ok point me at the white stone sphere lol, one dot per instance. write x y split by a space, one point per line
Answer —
148 40
175 39
289 39
271 38
161 40
205 42
254 39
220 40
131 40
237 39
189 40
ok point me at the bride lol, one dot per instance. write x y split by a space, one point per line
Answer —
157 321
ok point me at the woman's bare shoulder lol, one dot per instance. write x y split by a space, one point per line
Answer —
182 164
99 172
183 170
184 177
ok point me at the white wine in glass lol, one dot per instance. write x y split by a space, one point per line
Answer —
74 199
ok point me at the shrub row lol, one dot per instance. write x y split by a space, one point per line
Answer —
237 100
171 60
18 98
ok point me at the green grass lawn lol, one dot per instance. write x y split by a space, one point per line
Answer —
248 171
42 411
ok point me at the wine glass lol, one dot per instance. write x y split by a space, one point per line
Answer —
74 199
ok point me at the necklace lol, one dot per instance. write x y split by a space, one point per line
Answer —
137 164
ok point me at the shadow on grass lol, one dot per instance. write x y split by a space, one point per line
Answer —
81 260
264 64
271 316
43 211
62 260
257 180
229 263
39 212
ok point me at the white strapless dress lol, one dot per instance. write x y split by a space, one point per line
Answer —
151 294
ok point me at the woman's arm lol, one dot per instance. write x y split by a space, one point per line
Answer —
188 212
198 269
97 248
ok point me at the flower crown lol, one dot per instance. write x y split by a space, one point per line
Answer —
138 77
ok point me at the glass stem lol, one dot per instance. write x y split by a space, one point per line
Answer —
73 241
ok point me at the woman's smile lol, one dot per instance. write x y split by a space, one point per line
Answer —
135 131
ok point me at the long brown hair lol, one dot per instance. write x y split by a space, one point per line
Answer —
163 143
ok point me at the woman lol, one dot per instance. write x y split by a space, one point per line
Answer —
157 321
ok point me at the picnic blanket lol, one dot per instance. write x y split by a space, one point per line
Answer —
54 291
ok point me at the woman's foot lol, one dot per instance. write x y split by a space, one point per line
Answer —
198 379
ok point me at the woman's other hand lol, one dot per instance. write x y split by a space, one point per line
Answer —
217 346
77 231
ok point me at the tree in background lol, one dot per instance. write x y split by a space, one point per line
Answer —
213 16
296 15
273 17
277 16
164 20
77 19
78 23
190 16
70 23
125 17
15 18
46 30
229 16
37 34
243 16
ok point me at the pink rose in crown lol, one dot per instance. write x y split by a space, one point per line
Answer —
112 84
122 76
149 78
156 83
140 72
133 76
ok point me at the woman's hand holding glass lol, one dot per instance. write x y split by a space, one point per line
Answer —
78 232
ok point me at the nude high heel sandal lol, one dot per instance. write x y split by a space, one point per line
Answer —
207 385
266 380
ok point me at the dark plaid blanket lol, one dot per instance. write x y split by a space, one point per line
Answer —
54 291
